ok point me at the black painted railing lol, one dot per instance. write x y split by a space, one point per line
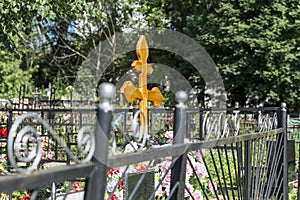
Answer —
189 153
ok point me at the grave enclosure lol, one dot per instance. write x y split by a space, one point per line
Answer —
151 153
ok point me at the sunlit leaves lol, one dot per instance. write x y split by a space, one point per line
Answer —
255 44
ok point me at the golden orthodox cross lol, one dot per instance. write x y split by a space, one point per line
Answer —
130 92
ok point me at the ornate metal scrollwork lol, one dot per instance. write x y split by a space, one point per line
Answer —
218 125
139 131
137 139
25 146
215 125
267 122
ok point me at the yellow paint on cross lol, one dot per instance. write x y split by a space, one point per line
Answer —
130 92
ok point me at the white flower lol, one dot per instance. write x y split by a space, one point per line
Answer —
111 184
131 147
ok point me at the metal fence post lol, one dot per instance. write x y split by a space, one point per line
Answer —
9 124
201 134
9 119
283 175
247 170
179 168
96 184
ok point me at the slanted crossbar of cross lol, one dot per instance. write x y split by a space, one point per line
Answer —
130 92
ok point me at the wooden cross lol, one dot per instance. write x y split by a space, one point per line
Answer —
130 92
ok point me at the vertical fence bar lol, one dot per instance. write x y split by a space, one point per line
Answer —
9 124
282 123
53 192
285 171
188 125
247 170
9 119
96 183
201 134
179 168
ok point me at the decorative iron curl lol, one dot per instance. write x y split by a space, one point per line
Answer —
220 125
25 146
215 125
236 123
139 131
139 137
266 122
86 143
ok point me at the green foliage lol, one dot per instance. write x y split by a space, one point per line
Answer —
222 168
56 36
13 76
293 194
61 86
255 44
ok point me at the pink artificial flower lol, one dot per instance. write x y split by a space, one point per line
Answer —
166 183
212 186
153 142
50 155
201 170
167 180
197 195
155 146
189 170
198 156
188 189
165 165
169 135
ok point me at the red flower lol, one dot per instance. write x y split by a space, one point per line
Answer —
121 187
3 132
141 168
76 186
114 171
25 197
114 197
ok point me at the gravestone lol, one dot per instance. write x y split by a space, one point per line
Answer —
144 190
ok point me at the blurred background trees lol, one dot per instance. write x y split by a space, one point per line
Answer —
255 44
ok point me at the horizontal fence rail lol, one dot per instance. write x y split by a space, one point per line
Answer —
42 178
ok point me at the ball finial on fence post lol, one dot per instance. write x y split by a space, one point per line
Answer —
181 97
283 105
106 93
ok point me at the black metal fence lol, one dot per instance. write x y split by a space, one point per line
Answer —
188 153
231 154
